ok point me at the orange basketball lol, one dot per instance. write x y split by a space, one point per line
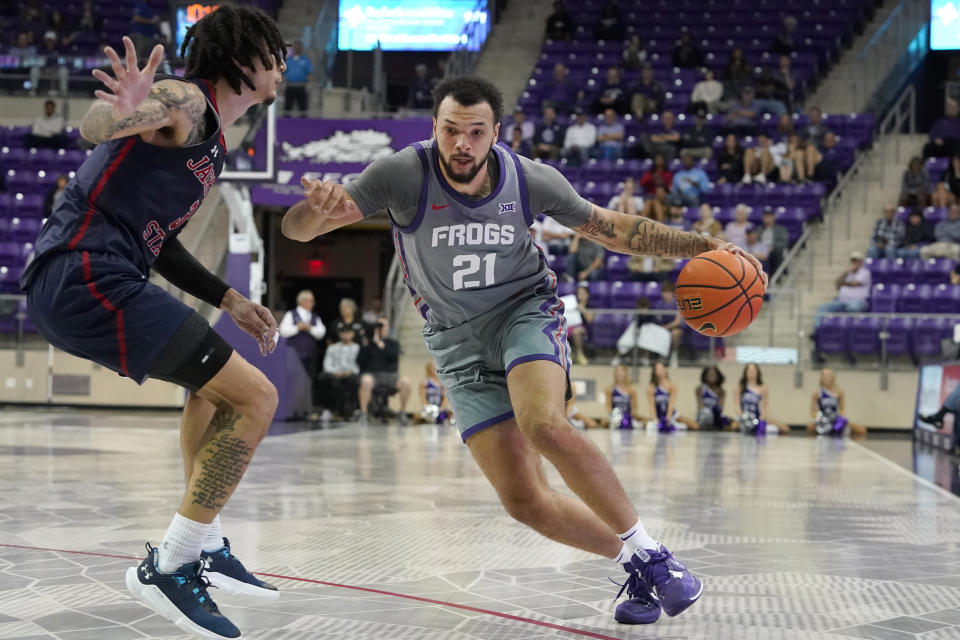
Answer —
719 293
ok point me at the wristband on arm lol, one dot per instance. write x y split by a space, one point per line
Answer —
185 272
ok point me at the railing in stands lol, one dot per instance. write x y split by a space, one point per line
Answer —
886 60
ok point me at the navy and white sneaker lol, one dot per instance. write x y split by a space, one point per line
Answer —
181 597
676 587
642 605
225 572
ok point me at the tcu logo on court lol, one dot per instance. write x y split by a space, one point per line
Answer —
690 304
508 207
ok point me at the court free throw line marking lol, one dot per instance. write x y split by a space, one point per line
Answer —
497 614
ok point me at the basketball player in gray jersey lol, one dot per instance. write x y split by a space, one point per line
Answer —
460 207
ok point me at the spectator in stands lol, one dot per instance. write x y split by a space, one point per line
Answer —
756 246
946 237
559 92
579 140
736 229
783 83
53 197
551 236
948 189
670 319
888 234
302 329
22 48
337 385
559 23
675 211
655 208
47 129
665 140
610 25
296 76
697 141
955 275
730 160
613 94
945 132
145 28
630 338
585 261
815 130
853 289
89 21
825 160
520 146
519 121
706 93
31 18
635 55
761 163
58 25
578 332
915 187
657 176
548 135
686 55
784 127
690 182
917 234
785 42
50 52
743 117
372 313
776 237
349 317
806 158
738 73
379 362
646 96
706 225
610 134
627 201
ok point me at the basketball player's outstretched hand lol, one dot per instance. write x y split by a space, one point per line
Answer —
325 198
732 248
257 321
130 85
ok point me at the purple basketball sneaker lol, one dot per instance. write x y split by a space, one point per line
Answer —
676 587
642 605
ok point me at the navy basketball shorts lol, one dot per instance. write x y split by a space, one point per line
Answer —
98 306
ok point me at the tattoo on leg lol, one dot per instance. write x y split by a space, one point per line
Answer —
225 458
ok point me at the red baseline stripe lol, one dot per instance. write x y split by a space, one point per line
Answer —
102 299
497 614
98 188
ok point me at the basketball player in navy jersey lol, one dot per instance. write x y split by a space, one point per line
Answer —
159 150
460 208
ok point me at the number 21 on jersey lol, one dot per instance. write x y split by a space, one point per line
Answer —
471 266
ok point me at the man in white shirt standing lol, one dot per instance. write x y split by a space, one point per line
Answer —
302 329
580 139
853 289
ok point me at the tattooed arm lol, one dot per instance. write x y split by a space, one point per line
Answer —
171 104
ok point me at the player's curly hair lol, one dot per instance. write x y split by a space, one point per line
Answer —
221 43
468 91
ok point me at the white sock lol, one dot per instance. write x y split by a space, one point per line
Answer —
637 538
181 544
214 539
625 554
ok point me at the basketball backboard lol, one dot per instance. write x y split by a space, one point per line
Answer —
251 145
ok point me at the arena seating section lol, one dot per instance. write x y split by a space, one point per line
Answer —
716 27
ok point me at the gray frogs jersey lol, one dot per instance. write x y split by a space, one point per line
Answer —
461 256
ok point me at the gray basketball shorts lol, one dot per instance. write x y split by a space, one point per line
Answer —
473 359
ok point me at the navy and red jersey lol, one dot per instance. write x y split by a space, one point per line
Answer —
129 196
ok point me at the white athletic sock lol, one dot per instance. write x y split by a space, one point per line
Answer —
181 544
214 538
625 554
637 538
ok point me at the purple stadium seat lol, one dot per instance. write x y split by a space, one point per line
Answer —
599 294
652 291
9 252
899 272
9 275
898 340
926 337
862 335
879 269
945 298
624 295
24 229
557 264
617 266
28 205
937 270
883 298
603 330
915 298
566 288
832 336
697 341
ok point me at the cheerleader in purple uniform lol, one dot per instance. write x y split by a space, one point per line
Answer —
710 400
621 400
662 396
827 408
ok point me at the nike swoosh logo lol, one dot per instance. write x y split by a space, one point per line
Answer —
443 206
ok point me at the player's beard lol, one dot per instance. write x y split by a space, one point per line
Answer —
471 173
